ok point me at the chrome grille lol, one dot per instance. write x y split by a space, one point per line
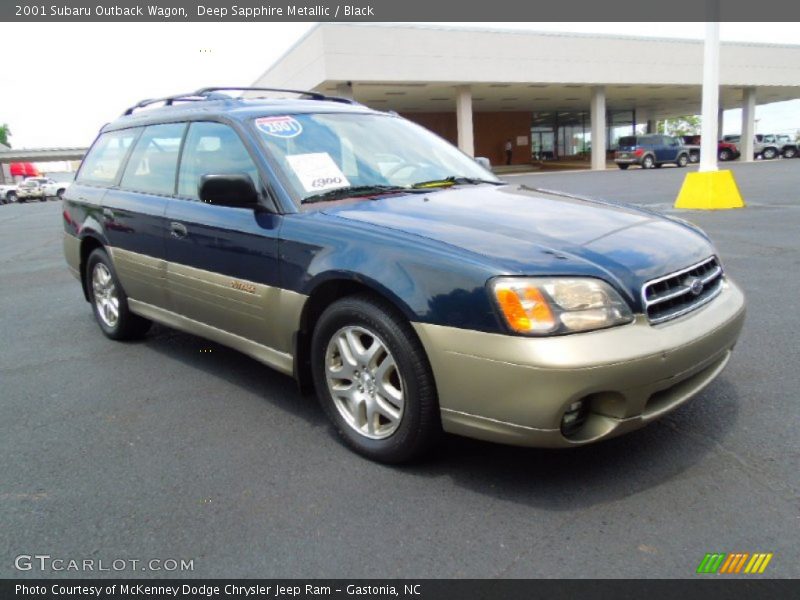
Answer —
681 292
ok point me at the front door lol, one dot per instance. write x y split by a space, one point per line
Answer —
222 261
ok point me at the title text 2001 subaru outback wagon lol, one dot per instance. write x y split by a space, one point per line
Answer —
375 262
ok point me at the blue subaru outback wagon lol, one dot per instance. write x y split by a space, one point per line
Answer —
409 287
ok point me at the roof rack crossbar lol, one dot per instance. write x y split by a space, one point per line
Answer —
209 93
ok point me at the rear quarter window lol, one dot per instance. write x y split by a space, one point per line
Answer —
104 160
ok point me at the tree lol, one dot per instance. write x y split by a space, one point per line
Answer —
5 133
686 125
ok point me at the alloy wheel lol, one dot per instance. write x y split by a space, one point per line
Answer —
105 295
364 381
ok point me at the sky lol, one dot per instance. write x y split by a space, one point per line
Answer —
78 76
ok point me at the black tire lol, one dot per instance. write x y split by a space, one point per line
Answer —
769 153
683 160
789 152
43 199
648 162
725 155
12 197
60 194
694 157
128 326
419 425
623 167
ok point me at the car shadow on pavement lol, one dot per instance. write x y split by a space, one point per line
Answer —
237 369
558 480
566 479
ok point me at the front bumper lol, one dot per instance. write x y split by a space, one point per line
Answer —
515 389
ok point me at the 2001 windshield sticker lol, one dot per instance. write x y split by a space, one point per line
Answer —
282 127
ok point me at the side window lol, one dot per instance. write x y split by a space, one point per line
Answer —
152 164
212 148
101 166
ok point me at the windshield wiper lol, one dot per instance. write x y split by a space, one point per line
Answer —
353 190
453 180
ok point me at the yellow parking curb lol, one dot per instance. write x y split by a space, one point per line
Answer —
709 190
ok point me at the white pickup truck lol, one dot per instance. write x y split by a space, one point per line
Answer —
8 193
51 187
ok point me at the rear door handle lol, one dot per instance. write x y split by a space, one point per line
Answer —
178 230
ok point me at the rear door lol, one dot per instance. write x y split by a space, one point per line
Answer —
133 213
672 147
222 261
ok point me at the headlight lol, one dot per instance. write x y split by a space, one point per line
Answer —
555 305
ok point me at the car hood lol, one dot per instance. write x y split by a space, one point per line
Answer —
533 232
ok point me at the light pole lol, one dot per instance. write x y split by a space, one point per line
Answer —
709 188
710 124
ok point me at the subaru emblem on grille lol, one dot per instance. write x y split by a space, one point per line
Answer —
695 285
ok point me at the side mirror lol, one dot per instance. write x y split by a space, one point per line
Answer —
229 189
484 162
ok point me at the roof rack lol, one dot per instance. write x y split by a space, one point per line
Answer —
211 93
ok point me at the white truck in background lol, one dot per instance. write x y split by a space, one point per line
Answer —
8 193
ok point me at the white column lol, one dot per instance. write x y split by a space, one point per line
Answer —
466 140
598 115
345 90
710 123
748 123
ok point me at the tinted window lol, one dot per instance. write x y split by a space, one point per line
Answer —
627 140
154 160
212 148
102 164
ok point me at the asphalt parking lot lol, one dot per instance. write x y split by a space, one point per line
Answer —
175 447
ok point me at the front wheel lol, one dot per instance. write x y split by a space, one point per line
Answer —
60 194
694 157
769 153
109 301
373 379
725 155
789 152
683 160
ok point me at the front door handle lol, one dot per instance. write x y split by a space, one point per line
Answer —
178 230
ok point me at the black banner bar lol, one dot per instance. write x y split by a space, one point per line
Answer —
400 589
473 11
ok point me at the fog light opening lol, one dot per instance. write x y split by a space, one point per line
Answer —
574 417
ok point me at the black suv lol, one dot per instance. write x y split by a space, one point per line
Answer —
650 151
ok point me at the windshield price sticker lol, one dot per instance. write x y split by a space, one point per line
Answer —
282 127
317 172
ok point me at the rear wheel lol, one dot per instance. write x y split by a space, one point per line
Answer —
648 162
373 379
769 153
623 167
109 301
60 194
789 152
725 154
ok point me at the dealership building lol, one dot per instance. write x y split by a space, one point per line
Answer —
553 96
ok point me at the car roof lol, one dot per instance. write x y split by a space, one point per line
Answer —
241 109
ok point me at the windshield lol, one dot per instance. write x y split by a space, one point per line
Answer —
324 152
